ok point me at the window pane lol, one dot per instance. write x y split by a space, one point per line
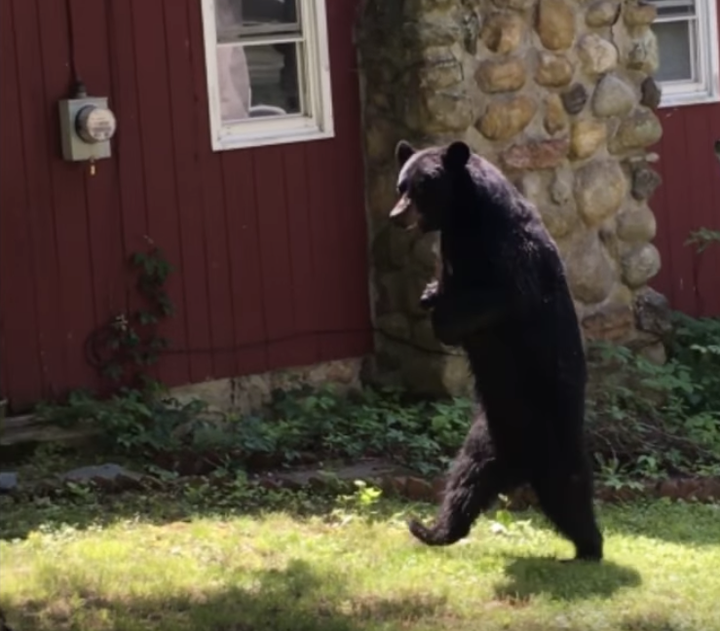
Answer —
675 8
259 80
255 17
674 43
269 11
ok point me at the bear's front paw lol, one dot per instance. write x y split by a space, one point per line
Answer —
429 296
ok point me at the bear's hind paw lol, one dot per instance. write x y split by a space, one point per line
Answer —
431 536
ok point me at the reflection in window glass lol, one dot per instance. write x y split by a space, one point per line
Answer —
259 79
238 18
268 11
675 46
234 83
274 77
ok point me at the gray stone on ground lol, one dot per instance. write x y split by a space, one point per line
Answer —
109 473
369 470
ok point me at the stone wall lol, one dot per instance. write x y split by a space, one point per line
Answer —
560 95
249 393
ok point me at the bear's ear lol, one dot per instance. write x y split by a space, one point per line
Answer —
403 152
457 155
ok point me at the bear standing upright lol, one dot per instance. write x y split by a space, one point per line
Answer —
503 296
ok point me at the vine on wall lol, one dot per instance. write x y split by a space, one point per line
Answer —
130 343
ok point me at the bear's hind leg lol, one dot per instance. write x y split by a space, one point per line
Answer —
567 500
473 486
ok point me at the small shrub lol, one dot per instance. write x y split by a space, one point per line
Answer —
650 419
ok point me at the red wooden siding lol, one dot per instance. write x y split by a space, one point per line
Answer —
269 244
688 199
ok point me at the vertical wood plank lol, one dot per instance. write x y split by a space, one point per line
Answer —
76 311
103 215
350 187
711 286
320 199
218 240
158 147
304 285
676 194
21 378
337 195
129 159
274 255
37 139
238 322
698 174
189 191
218 260
250 333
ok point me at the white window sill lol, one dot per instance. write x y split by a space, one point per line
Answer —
249 140
682 100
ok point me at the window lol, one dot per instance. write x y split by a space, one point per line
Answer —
268 71
687 36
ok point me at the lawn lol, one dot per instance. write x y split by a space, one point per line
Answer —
153 563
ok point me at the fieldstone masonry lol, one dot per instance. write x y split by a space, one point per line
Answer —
557 93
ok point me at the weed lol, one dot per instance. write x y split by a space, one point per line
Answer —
703 238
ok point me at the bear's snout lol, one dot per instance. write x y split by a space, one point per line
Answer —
404 214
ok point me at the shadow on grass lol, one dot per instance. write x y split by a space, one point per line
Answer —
532 576
637 624
296 598
683 523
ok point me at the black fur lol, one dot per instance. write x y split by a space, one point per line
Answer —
503 296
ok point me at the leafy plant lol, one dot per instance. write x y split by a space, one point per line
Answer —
703 238
130 343
297 424
133 421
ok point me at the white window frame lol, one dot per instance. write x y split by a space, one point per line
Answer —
317 124
707 88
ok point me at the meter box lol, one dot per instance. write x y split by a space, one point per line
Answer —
86 127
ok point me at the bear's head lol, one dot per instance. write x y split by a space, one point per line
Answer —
426 183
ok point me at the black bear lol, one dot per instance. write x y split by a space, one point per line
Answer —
503 296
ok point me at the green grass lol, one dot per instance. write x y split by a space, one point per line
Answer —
147 563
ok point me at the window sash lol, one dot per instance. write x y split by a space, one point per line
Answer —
693 49
236 34
665 9
302 77
263 41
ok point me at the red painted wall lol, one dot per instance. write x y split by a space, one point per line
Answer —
269 244
688 199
